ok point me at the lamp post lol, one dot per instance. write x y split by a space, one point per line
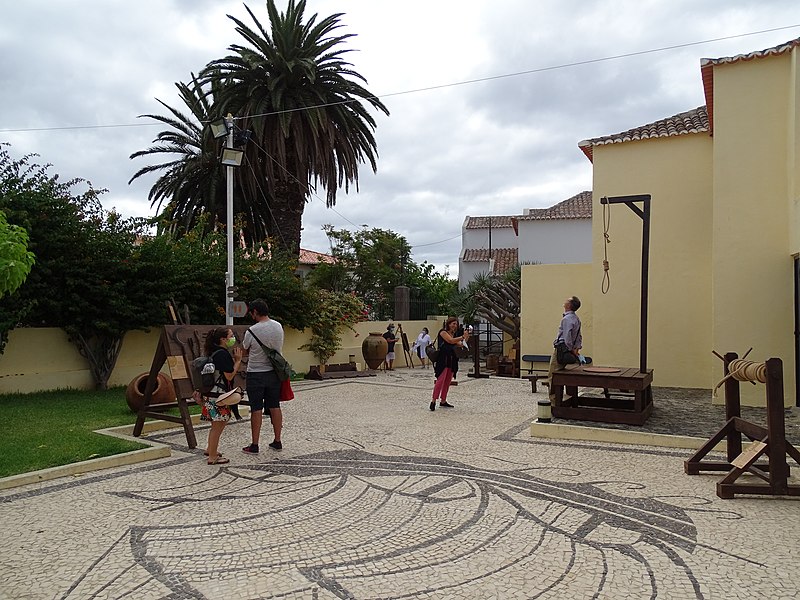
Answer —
230 158
229 227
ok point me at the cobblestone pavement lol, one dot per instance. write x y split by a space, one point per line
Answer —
375 496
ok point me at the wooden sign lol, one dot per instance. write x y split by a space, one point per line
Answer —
749 455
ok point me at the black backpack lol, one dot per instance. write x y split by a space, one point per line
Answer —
204 374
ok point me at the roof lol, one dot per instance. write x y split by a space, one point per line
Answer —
309 257
504 258
691 121
707 69
700 119
497 222
577 207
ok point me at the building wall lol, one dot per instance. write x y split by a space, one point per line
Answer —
677 172
468 270
755 116
38 359
502 237
544 289
555 241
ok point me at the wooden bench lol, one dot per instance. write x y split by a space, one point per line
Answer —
534 373
627 394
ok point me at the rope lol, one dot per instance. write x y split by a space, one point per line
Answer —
744 370
606 284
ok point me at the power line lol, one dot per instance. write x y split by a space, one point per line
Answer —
444 85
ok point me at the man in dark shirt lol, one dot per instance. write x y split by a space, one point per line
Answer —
391 340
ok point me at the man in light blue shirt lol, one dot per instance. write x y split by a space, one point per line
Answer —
569 334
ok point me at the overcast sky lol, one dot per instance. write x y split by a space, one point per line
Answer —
491 147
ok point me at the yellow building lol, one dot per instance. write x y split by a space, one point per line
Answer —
724 271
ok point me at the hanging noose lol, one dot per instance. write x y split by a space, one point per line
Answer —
606 284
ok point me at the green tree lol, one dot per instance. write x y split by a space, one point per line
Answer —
192 181
333 312
82 275
495 300
15 260
306 108
370 263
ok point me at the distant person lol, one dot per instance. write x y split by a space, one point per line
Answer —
217 343
391 340
568 343
422 342
446 362
263 385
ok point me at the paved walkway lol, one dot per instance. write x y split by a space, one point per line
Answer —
374 496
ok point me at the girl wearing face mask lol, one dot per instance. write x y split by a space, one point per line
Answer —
218 341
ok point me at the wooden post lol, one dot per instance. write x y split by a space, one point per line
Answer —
732 408
644 214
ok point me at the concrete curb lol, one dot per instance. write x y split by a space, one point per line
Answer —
125 432
556 431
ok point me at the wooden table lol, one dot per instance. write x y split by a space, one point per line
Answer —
627 395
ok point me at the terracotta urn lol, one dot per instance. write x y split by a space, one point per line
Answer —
163 394
374 348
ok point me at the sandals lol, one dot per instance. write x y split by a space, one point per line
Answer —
205 453
220 460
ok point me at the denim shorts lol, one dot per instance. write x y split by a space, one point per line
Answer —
263 390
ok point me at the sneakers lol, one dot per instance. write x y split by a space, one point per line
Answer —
251 449
444 404
433 405
276 446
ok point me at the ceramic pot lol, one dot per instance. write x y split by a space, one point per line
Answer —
163 394
374 348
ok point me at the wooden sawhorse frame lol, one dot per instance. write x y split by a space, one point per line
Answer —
178 346
770 442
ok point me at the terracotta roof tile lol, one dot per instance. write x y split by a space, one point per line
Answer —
309 257
577 207
498 222
504 258
707 70
691 121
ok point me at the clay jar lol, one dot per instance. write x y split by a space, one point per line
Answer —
163 394
374 348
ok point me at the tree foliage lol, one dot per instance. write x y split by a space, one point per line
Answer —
97 277
15 260
309 116
495 300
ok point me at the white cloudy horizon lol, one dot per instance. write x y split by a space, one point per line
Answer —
504 142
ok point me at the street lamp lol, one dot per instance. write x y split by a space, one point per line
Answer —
230 158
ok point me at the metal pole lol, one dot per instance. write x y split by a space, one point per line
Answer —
229 183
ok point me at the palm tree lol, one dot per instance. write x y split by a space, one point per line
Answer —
303 103
193 180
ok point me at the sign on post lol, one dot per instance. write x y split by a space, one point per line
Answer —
237 309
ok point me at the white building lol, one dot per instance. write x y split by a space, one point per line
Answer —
559 234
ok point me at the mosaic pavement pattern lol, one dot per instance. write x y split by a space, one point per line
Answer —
377 497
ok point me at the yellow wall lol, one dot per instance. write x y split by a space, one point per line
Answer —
37 359
676 172
724 230
544 289
753 288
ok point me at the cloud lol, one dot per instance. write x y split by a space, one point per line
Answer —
490 147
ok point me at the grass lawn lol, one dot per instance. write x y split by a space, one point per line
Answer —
48 429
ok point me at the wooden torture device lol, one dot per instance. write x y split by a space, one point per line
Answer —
178 346
627 391
767 442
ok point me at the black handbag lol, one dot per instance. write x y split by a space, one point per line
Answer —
564 355
431 352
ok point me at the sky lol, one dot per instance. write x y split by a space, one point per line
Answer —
487 100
